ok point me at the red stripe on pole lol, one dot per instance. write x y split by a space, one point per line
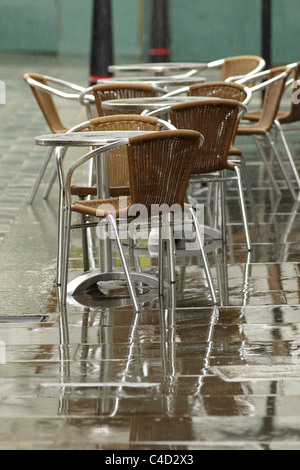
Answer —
95 78
162 51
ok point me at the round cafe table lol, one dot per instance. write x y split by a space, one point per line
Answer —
160 68
164 82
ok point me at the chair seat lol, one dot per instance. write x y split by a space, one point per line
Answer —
235 151
103 207
251 129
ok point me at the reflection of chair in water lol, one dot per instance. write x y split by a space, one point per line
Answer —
159 170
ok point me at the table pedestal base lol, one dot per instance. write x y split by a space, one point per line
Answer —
85 281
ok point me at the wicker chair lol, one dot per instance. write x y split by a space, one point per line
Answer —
233 68
112 91
265 120
159 167
44 88
118 167
217 120
233 91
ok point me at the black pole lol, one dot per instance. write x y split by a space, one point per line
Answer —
266 32
160 51
102 43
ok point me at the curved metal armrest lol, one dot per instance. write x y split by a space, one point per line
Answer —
79 127
190 73
176 92
159 90
50 90
166 124
253 77
156 112
215 64
242 111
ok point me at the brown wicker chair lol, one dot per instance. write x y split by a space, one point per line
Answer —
44 88
160 165
293 114
233 91
112 91
264 121
233 68
217 120
118 165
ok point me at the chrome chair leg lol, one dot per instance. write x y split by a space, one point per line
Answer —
243 207
267 166
131 288
40 175
205 261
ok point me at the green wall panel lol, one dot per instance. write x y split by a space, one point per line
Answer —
28 25
200 30
74 26
205 30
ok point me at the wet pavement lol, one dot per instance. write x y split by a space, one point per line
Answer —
182 374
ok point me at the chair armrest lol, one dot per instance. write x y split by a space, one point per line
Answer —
86 96
63 83
166 124
263 85
155 112
176 92
53 91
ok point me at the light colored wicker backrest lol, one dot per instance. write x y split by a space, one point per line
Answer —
294 112
160 166
216 121
272 97
112 91
239 65
46 104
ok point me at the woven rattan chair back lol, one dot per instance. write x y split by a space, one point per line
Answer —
239 65
225 90
46 104
160 167
113 91
272 99
293 114
216 120
118 164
